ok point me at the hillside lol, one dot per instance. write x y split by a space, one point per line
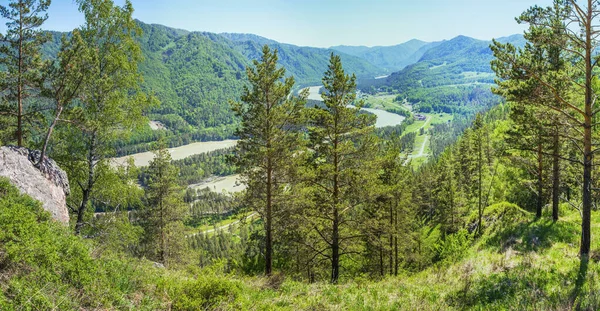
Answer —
517 264
390 58
453 76
306 64
196 74
457 61
461 60
193 74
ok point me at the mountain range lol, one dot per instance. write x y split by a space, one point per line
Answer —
196 74
390 58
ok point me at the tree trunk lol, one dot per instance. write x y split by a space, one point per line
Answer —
81 210
587 139
48 134
393 232
396 233
20 83
381 268
587 191
555 175
19 117
480 183
268 223
335 236
88 189
161 227
396 256
540 182
335 248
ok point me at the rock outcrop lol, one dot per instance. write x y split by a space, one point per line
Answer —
48 184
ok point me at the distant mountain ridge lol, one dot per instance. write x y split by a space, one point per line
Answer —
458 61
306 64
397 57
391 58
453 76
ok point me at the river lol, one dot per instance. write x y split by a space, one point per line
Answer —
384 118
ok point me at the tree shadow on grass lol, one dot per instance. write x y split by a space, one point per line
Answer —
581 275
519 288
532 236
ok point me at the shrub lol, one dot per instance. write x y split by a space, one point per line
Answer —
44 267
204 293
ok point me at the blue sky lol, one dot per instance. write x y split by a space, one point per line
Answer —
324 23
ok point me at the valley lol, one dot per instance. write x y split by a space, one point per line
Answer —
384 118
467 179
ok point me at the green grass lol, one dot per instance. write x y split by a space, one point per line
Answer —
387 102
414 127
221 223
439 118
518 264
384 102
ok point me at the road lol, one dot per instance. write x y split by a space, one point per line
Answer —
420 154
422 149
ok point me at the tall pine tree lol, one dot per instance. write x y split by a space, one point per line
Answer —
21 56
343 148
163 220
270 142
570 28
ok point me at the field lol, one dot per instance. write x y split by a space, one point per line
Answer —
220 184
177 153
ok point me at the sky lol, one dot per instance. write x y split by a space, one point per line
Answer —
323 23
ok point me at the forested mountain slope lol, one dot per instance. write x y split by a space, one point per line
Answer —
391 58
306 64
194 75
454 76
461 60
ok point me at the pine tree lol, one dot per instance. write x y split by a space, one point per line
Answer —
343 147
447 194
270 142
163 220
538 127
571 28
394 197
21 56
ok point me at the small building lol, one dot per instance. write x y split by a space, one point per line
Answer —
420 117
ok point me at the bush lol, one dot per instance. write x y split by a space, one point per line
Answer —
44 267
205 293
454 246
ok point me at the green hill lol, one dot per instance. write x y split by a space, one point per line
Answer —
193 74
306 64
196 74
461 60
453 76
390 58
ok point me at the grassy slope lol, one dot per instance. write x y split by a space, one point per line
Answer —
515 265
